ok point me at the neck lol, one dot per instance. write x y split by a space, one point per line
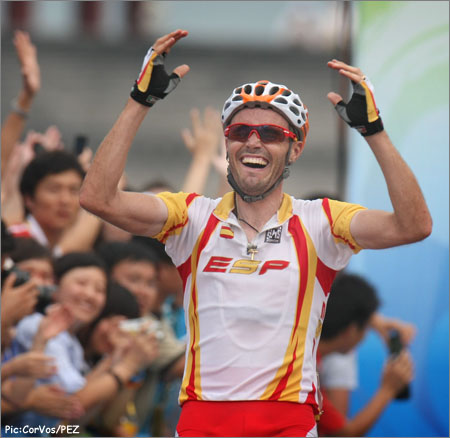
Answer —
327 347
53 236
258 213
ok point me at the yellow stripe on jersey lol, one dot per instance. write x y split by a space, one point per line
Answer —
225 206
191 388
286 384
372 113
194 332
285 211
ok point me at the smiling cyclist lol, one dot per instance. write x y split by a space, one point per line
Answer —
257 265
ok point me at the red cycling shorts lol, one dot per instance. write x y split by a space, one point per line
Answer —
246 418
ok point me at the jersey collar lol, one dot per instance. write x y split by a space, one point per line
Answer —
226 206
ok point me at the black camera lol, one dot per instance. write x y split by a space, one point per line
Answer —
395 345
45 292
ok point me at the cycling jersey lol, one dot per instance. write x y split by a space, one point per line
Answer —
254 310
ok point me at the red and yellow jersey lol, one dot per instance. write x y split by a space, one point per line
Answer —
254 320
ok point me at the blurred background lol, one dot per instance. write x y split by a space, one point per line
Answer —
90 54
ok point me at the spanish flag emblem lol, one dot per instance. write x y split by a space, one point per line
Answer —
226 232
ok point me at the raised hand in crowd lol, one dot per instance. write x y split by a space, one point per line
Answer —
398 372
202 140
16 302
34 364
58 318
134 352
15 122
384 326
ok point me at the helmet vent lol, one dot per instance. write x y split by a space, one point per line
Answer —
235 98
248 89
280 100
304 116
227 105
296 101
238 90
294 110
274 90
259 90
287 92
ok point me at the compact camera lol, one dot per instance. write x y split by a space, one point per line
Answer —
136 325
395 345
45 292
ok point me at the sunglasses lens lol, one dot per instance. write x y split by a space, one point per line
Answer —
239 132
270 134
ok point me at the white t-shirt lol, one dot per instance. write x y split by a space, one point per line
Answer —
339 370
64 348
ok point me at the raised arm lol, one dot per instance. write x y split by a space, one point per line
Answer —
136 213
15 122
410 221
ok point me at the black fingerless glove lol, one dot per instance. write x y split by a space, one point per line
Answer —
361 112
153 83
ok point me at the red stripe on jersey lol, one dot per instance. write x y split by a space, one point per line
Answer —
185 270
299 237
190 198
207 232
190 390
311 399
325 276
327 209
302 253
283 382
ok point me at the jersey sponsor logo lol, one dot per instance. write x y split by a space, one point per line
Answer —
226 232
243 266
273 235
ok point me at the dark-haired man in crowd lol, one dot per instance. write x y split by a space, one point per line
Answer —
50 186
352 304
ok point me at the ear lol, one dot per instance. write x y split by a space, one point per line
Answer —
296 151
28 202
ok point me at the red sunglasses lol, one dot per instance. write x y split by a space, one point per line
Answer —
267 133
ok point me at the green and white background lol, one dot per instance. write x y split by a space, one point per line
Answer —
404 48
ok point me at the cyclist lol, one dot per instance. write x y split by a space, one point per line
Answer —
257 265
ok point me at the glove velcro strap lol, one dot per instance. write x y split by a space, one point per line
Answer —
371 128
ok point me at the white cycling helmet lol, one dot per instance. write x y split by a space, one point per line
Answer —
265 94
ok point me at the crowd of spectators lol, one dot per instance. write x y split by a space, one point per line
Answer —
93 330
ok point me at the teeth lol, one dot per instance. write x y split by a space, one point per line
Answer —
254 160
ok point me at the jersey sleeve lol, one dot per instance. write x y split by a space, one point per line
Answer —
339 215
328 224
177 206
188 213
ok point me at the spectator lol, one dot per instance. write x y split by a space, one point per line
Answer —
17 301
35 259
105 338
82 280
134 266
351 305
50 185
